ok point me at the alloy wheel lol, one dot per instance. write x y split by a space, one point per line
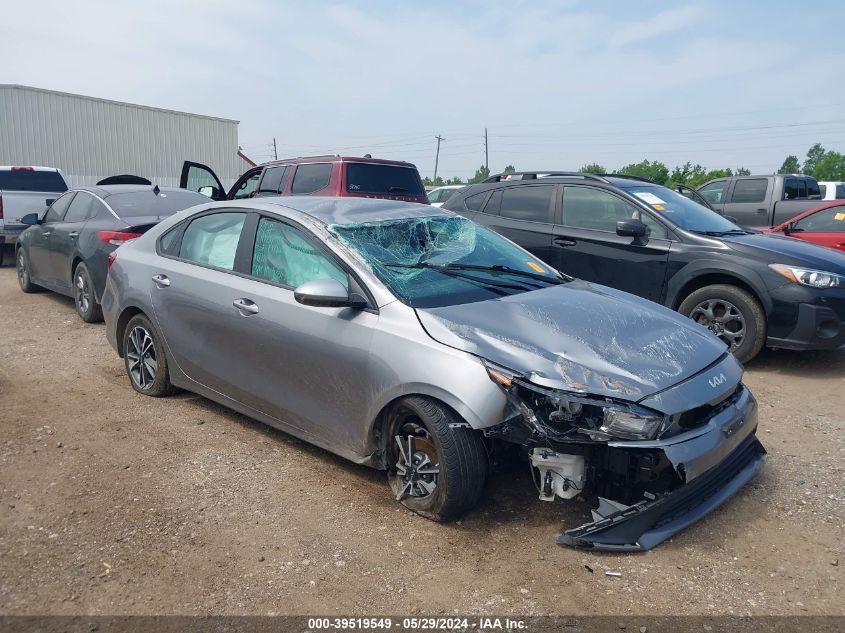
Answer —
83 292
23 273
723 319
418 467
141 356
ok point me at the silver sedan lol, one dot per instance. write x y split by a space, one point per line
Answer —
410 339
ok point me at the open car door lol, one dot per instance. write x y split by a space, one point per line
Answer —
693 195
202 179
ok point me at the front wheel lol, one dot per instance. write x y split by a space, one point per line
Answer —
438 466
730 313
24 277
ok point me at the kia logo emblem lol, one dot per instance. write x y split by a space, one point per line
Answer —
715 381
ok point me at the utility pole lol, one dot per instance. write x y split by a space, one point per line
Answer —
437 156
275 152
486 152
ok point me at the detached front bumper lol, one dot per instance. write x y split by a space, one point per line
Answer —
714 461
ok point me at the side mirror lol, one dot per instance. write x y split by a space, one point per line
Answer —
209 192
631 228
30 219
327 293
731 218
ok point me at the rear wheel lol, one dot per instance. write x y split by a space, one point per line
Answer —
438 466
143 355
24 278
732 314
84 297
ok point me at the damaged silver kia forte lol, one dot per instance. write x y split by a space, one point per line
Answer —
413 340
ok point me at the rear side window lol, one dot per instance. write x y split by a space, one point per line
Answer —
494 204
814 192
388 180
840 192
527 203
311 178
212 240
473 203
147 203
31 180
750 190
823 190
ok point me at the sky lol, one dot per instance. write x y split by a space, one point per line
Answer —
557 85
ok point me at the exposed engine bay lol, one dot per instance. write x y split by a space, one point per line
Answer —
627 460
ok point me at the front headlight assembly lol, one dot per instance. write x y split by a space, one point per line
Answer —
809 277
630 426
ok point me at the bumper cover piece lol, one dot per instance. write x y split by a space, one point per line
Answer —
648 523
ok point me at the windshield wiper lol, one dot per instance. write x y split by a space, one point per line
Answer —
507 269
449 270
721 233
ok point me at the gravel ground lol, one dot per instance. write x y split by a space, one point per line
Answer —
113 503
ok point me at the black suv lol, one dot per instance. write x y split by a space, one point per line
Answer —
749 288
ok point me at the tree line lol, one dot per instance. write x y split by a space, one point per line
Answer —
819 163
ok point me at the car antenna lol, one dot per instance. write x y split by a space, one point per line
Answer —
156 190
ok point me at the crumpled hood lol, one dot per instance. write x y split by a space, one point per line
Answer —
579 336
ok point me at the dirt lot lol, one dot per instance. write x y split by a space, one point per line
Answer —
113 503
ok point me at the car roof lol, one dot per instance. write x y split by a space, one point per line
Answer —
332 158
351 210
104 191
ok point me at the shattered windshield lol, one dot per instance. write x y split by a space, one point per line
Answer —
444 260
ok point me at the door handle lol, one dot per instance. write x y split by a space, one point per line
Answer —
73 235
161 281
564 241
760 210
46 233
245 305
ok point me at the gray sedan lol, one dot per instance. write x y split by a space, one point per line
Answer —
410 339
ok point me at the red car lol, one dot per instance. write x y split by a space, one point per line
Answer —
313 176
823 225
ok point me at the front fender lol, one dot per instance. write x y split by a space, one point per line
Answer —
701 267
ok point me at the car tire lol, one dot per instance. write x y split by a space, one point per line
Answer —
728 311
24 278
84 297
145 360
433 438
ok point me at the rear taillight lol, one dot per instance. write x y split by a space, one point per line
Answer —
23 168
110 259
116 238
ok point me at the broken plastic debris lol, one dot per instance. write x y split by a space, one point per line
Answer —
613 573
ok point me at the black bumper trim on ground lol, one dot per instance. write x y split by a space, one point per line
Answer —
648 523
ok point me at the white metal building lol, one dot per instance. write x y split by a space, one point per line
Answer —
90 139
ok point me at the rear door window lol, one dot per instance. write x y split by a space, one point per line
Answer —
311 177
532 203
386 180
212 240
31 180
750 190
83 207
840 192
